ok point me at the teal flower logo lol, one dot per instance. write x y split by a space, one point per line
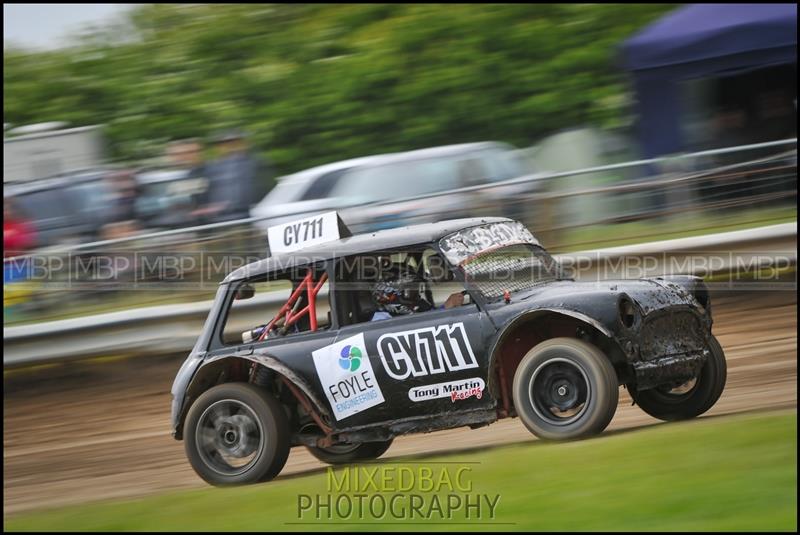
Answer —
350 358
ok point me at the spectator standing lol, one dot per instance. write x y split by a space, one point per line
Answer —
188 154
124 189
235 177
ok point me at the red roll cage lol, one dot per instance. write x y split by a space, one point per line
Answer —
289 312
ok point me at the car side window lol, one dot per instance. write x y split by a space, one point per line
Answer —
256 303
357 277
42 202
441 281
398 180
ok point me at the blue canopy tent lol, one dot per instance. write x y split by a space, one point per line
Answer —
700 41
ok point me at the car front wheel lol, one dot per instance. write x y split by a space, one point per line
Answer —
692 398
565 389
236 433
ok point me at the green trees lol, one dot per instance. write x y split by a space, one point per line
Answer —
318 83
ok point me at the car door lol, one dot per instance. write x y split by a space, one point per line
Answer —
238 334
424 364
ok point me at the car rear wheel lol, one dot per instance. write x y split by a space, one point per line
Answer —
236 433
565 389
692 398
349 453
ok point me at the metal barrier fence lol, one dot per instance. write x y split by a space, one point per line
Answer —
646 200
166 329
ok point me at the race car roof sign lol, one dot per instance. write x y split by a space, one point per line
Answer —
295 235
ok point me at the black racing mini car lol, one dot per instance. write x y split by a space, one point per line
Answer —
520 339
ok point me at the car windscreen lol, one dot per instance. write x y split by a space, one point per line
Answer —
322 186
500 256
511 268
289 189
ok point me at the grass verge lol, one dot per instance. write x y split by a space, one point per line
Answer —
718 473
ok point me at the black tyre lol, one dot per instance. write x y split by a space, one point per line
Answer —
350 453
236 433
565 389
692 398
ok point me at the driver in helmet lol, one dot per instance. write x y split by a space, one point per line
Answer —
404 293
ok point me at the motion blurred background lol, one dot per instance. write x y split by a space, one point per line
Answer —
147 150
166 117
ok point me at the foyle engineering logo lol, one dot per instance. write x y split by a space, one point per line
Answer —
347 378
350 358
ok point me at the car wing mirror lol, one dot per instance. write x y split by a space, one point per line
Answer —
245 291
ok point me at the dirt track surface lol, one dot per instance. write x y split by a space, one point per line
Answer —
95 431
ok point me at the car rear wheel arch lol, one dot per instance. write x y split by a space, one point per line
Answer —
529 330
237 433
237 369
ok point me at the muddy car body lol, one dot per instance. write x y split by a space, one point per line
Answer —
527 342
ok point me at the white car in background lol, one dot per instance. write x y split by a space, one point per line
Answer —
392 190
